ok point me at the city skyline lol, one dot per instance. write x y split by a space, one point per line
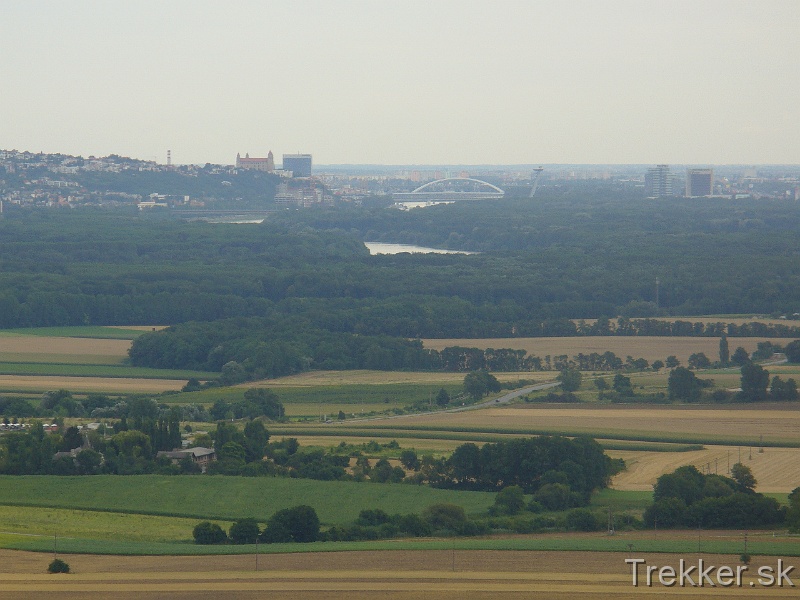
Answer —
443 83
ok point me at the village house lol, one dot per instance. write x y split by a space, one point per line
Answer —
199 455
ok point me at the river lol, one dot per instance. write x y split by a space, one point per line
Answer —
381 248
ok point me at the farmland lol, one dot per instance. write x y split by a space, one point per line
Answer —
225 498
647 347
444 573
65 350
155 514
82 360
110 385
775 469
652 423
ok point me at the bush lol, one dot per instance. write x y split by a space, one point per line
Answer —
208 533
297 524
244 531
665 513
445 516
58 566
509 501
554 496
581 519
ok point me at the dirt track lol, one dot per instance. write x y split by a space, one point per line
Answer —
358 575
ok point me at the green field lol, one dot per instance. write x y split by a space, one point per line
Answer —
671 542
116 515
332 398
87 331
227 498
68 523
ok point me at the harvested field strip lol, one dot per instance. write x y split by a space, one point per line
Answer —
775 469
32 344
616 435
436 434
98 370
226 498
110 385
414 575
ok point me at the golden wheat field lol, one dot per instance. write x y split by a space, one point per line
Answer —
777 470
120 385
776 423
398 575
650 348
33 348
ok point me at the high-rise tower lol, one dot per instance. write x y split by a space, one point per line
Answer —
699 182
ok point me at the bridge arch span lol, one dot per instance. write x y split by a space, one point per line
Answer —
421 189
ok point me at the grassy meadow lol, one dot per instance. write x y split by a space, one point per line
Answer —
226 498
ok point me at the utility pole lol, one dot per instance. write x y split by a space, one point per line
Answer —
657 303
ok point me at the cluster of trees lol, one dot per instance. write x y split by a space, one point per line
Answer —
689 498
756 386
301 524
624 326
560 472
257 402
129 452
58 404
296 524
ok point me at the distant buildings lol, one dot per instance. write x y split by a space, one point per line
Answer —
259 164
699 182
659 182
298 164
294 165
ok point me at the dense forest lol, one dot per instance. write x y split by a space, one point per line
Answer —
306 275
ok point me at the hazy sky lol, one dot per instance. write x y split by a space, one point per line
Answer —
406 81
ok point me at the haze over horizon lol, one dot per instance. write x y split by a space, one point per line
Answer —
417 83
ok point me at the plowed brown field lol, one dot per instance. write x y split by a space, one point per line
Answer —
401 575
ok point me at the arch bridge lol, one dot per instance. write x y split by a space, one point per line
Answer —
450 189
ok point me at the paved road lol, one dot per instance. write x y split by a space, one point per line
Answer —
504 399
